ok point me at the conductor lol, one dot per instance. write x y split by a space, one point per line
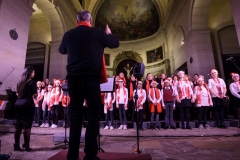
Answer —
84 46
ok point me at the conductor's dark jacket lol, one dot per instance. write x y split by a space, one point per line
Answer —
85 47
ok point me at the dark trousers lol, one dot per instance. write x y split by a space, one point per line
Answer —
169 114
66 116
55 114
46 115
80 89
218 106
111 118
122 114
130 110
139 113
202 115
157 120
236 106
37 114
147 114
186 111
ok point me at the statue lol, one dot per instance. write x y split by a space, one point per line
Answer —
128 70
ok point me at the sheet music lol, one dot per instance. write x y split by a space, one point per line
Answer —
109 86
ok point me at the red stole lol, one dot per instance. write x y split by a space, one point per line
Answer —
147 85
217 82
65 100
151 105
131 91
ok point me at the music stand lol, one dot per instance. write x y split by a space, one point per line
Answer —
105 87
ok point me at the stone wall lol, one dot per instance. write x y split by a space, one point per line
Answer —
13 15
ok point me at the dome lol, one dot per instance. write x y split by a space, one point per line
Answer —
128 19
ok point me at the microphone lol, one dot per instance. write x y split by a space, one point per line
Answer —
229 58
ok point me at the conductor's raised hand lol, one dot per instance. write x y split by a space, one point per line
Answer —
108 30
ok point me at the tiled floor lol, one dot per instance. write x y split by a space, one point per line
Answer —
166 148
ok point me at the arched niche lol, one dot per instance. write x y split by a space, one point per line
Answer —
125 55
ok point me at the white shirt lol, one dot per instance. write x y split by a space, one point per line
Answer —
213 85
46 99
154 99
141 97
183 85
121 98
234 89
205 96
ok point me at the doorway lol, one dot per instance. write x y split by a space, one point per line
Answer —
35 57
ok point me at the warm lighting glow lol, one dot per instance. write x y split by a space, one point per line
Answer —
182 42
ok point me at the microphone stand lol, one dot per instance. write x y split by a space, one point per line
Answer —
137 119
1 82
233 61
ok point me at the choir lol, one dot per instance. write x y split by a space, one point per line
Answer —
148 99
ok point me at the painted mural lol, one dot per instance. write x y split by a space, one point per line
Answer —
128 19
107 59
155 55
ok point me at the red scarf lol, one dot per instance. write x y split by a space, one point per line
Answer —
217 82
131 91
195 82
84 23
162 83
103 70
147 85
187 90
180 90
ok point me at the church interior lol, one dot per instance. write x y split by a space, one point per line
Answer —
166 35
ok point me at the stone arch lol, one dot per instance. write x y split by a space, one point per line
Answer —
125 55
53 16
199 14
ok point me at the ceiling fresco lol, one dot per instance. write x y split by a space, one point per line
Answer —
128 19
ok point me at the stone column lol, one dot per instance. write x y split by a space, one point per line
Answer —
235 7
58 62
13 15
198 46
